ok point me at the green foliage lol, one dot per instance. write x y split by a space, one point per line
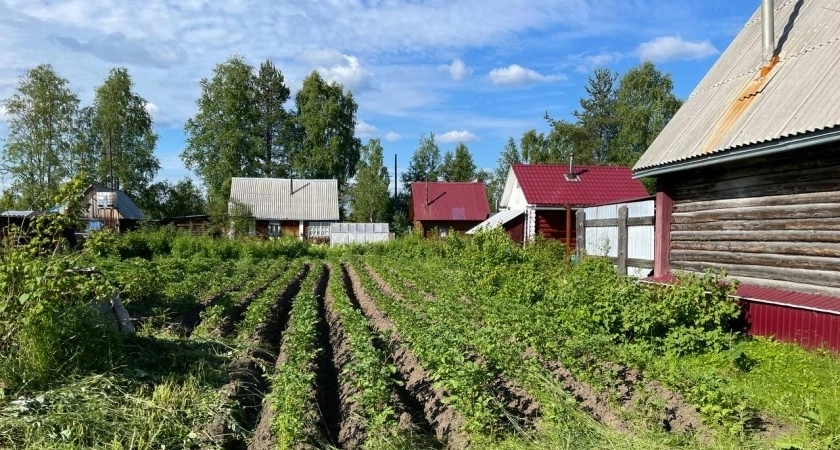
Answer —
38 149
165 199
49 324
459 167
326 121
292 393
424 164
124 128
369 197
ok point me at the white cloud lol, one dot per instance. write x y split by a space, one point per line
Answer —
457 70
457 136
391 136
4 117
365 130
345 70
589 63
518 75
152 109
667 48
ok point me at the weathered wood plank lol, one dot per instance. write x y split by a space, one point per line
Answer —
631 262
813 211
581 234
783 285
631 221
775 200
766 236
622 240
814 277
762 225
758 259
782 248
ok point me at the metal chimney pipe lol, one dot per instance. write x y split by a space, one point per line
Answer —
768 36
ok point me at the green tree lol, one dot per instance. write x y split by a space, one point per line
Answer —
597 117
326 117
645 102
125 129
459 167
369 195
425 162
509 156
165 199
272 122
40 137
221 138
534 147
87 145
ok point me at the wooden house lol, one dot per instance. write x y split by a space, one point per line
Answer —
287 207
541 199
104 208
748 173
441 208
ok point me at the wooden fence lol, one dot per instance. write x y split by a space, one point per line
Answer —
621 232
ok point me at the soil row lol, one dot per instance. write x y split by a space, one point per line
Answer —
246 385
521 409
674 414
233 315
444 421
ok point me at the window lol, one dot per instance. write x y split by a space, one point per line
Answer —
443 231
318 230
274 228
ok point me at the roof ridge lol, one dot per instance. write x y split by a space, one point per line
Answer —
753 71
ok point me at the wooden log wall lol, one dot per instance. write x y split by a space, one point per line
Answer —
552 225
774 221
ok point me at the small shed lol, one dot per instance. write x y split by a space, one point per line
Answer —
105 208
440 208
287 207
748 173
540 199
358 233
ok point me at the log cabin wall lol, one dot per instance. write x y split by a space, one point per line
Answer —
551 224
772 221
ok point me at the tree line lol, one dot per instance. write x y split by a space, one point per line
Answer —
248 124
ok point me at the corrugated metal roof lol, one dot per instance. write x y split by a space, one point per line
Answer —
500 218
284 199
546 184
18 214
125 205
449 201
734 107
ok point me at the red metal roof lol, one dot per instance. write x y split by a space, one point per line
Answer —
752 293
449 201
546 184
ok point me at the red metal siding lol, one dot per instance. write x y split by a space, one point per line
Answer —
809 329
516 229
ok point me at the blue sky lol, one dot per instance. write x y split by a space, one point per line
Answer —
472 70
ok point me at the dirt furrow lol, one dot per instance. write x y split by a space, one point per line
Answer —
676 414
234 314
186 322
246 386
407 409
444 420
521 409
352 431
327 387
592 402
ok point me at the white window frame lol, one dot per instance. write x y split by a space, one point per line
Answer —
274 228
443 232
318 230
